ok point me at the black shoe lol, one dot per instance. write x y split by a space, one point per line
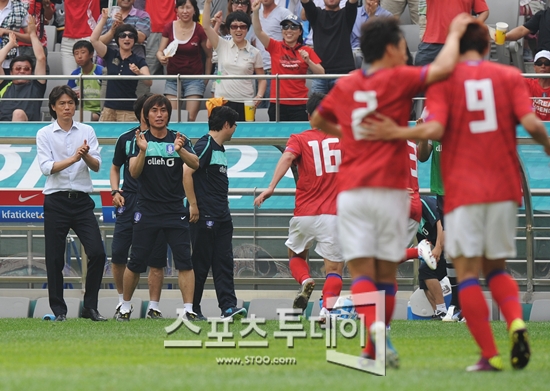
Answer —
60 318
439 315
153 314
89 313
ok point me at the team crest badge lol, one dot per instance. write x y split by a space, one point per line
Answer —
137 217
120 210
209 224
170 149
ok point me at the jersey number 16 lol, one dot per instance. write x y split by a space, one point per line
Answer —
325 157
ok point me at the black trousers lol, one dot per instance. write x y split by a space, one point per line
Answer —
288 112
71 210
212 246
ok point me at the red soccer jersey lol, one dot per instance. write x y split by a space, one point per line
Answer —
388 91
288 61
441 13
541 106
318 157
77 15
479 106
416 204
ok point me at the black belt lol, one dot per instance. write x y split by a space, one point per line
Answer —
70 194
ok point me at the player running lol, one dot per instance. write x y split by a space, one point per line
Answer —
474 113
318 157
373 204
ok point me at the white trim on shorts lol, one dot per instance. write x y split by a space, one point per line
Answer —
482 230
372 223
303 230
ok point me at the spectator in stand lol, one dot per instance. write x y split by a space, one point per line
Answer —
13 16
84 55
439 15
332 28
396 7
128 15
369 9
43 11
80 20
191 39
541 87
120 62
16 95
236 57
290 57
161 13
271 16
539 23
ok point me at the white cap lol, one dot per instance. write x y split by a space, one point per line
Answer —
542 53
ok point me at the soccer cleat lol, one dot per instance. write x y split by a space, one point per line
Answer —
449 315
117 310
439 315
302 298
123 316
392 357
234 313
492 364
458 317
425 254
154 314
323 315
520 353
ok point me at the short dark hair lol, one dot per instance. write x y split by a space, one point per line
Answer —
313 102
179 3
476 37
83 44
138 105
220 115
156 100
57 93
22 58
238 16
125 27
376 35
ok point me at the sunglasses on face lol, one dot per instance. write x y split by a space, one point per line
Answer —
19 69
241 2
290 26
540 63
238 27
127 35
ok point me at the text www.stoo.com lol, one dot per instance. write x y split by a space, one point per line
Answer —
256 360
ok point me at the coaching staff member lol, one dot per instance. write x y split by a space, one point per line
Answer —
67 150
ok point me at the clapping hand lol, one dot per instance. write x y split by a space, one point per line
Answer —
82 151
140 141
179 142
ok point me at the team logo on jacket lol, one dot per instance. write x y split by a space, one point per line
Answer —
170 149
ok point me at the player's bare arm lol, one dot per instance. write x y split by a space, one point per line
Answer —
136 163
190 159
446 60
114 180
282 167
537 130
318 122
189 188
381 127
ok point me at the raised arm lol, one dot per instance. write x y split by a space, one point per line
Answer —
260 34
108 36
38 49
207 25
99 46
12 43
447 58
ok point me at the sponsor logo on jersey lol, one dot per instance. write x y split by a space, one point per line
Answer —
158 161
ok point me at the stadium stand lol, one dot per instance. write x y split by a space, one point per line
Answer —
14 307
42 307
267 308
540 311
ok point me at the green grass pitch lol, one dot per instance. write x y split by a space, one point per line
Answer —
80 355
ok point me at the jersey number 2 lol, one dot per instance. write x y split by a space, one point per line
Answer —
480 96
325 158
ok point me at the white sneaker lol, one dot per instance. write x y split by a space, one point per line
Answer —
425 254
450 313
323 315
